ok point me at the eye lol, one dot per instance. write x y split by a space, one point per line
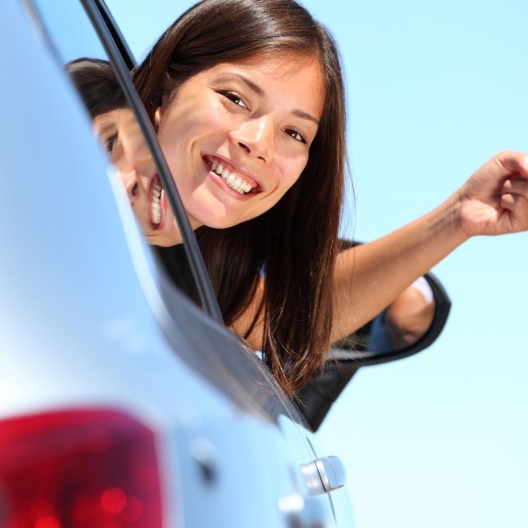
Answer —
234 98
295 135
111 142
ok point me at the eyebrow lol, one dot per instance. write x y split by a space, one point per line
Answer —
105 126
259 91
105 132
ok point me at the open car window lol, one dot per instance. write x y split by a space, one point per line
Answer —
134 169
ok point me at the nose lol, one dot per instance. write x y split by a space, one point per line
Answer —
130 180
256 138
136 169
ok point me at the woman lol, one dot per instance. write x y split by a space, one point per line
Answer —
254 86
265 80
279 280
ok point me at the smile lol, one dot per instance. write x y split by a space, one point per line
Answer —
234 180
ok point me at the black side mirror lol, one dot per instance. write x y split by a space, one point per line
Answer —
386 338
380 341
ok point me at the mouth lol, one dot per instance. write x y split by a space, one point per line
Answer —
156 202
232 178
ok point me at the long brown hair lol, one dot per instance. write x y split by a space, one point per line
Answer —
293 245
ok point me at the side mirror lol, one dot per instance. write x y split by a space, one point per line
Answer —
399 331
403 329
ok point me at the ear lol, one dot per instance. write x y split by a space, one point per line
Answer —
157 116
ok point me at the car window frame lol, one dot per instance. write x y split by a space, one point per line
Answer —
122 61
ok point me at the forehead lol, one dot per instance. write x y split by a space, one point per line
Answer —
118 117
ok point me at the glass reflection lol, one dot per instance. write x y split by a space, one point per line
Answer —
120 134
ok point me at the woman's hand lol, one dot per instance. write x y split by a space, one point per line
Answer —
494 201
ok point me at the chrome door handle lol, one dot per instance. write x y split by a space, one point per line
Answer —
324 475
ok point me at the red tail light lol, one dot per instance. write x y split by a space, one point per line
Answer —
78 469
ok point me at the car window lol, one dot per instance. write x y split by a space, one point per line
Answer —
79 49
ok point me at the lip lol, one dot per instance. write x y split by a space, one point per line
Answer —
232 166
163 203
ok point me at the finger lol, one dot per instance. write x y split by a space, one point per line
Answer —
513 201
508 201
515 185
517 205
514 162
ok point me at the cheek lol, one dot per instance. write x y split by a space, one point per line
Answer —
187 123
293 171
287 180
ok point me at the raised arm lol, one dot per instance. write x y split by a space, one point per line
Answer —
369 277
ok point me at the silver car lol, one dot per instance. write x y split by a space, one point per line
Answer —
122 401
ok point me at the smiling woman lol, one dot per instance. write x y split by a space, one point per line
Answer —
248 101
255 145
424 112
255 88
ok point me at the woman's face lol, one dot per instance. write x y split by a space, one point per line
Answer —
123 140
237 135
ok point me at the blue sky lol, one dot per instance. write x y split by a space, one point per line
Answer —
435 89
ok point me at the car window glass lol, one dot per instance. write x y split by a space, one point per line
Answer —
80 51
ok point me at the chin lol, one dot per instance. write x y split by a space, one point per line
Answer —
218 225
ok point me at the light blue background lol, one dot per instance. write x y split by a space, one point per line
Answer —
435 89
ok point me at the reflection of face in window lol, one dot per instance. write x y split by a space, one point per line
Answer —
122 138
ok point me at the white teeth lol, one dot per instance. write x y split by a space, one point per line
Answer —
234 181
155 208
237 184
156 214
